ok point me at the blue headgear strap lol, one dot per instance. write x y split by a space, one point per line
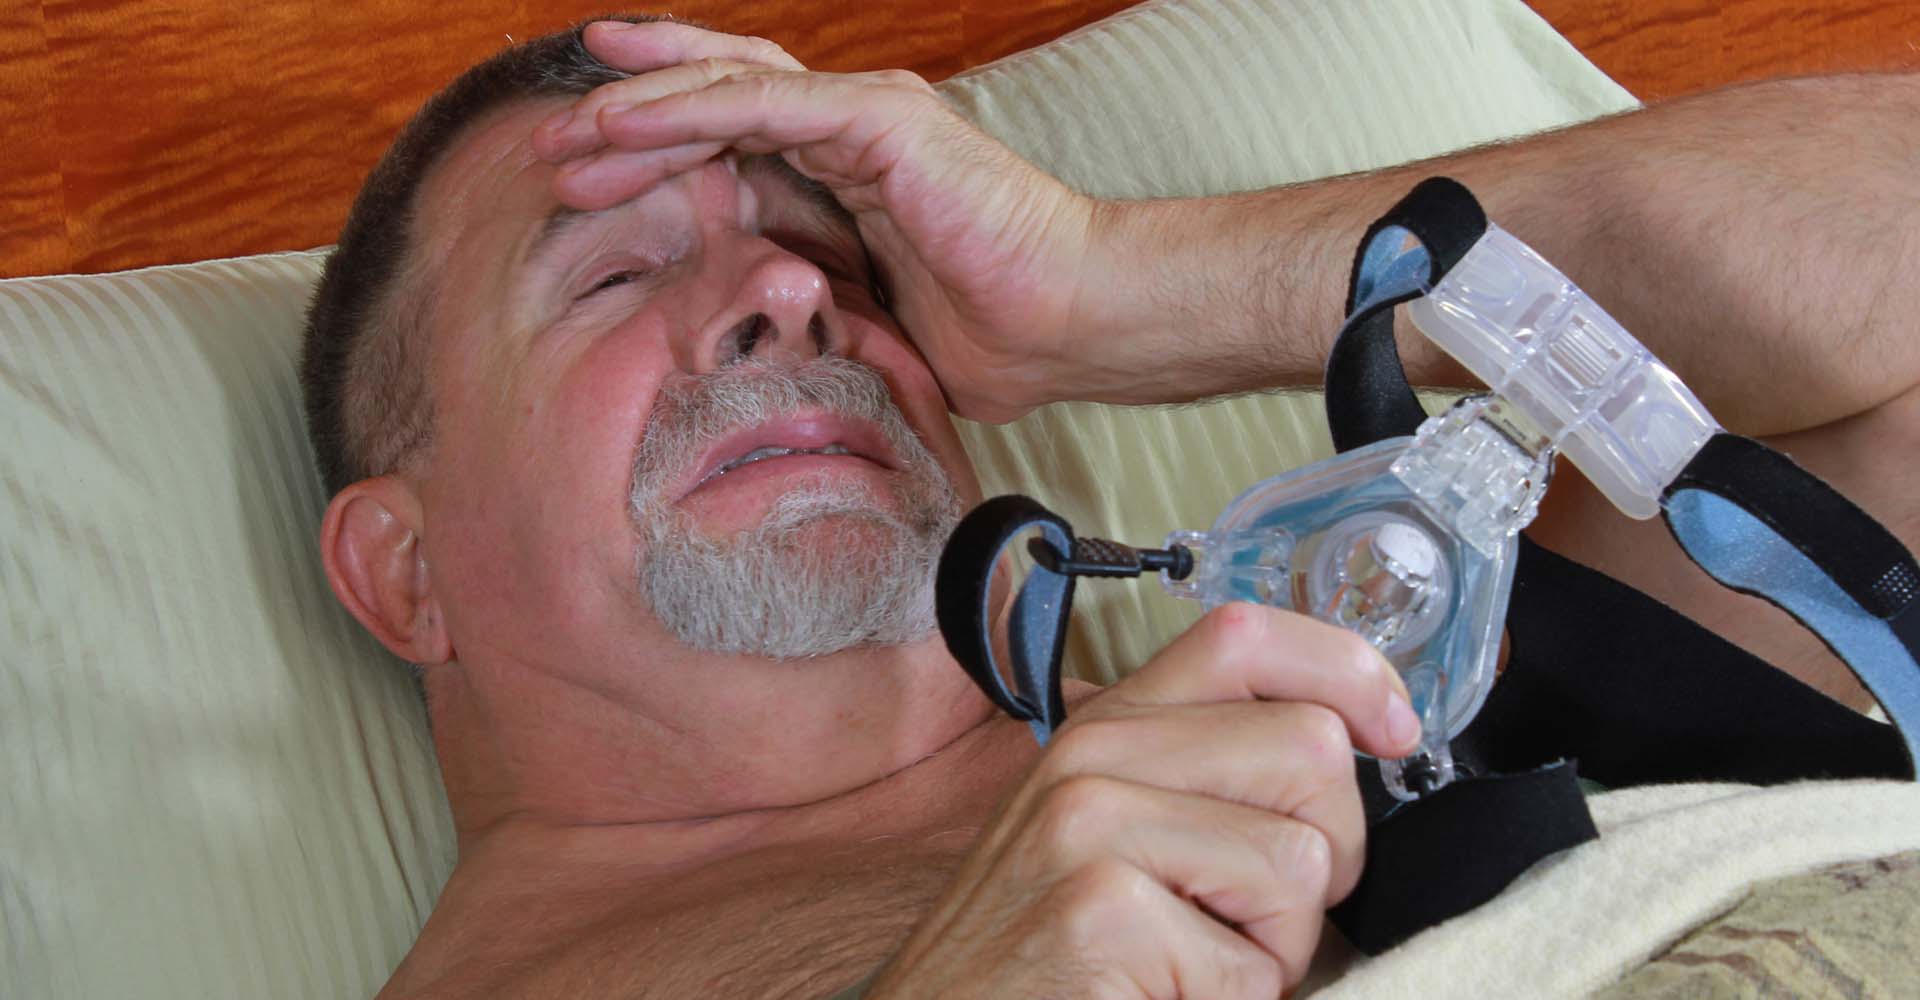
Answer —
1037 634
1760 524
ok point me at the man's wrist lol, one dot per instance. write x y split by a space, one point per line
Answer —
1183 300
1120 311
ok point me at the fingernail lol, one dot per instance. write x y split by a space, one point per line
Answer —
1403 727
1399 682
613 116
615 25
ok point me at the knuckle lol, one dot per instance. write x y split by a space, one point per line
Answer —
1296 850
766 86
606 93
1320 739
1074 811
1090 898
764 49
1304 851
1246 971
1084 744
1358 655
631 90
1235 626
903 78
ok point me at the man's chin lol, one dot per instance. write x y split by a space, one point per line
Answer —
829 562
796 587
770 523
829 541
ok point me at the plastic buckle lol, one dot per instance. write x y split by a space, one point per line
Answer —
1591 389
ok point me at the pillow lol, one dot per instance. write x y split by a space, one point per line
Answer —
212 783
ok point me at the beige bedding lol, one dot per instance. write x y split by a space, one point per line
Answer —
1847 930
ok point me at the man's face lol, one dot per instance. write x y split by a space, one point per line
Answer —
561 341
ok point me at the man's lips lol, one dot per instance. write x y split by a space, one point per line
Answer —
801 432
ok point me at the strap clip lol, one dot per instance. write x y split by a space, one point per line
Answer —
1480 468
1100 557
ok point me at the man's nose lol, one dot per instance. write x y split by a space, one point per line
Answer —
780 304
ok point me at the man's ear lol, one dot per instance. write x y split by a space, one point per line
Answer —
370 545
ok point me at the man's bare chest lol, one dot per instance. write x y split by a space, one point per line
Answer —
799 922
815 907
801 926
814 930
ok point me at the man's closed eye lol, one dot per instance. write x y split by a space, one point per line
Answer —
614 280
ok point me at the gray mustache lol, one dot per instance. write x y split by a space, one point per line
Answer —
691 412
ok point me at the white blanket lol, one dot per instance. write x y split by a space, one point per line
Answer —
1669 858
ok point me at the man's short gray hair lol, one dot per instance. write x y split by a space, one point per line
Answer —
363 367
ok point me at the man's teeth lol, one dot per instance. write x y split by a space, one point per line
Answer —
776 452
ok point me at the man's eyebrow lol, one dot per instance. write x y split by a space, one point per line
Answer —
556 225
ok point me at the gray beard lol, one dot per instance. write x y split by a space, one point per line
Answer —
832 566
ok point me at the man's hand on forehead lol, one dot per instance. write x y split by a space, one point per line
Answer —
666 59
979 254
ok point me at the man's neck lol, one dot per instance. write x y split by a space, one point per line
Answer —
751 743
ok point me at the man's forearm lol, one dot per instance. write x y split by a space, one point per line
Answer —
1754 238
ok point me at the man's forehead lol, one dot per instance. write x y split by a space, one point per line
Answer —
461 189
480 165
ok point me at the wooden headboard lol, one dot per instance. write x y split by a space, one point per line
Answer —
152 131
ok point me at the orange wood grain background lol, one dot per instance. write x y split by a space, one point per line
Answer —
139 132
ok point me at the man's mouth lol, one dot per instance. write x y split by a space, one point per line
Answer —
771 451
819 435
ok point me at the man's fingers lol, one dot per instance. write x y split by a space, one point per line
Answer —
643 48
855 125
1170 949
1240 651
1284 759
617 175
576 131
844 131
1265 875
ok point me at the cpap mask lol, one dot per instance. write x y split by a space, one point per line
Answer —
1410 541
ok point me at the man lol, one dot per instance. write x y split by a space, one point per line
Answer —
632 455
